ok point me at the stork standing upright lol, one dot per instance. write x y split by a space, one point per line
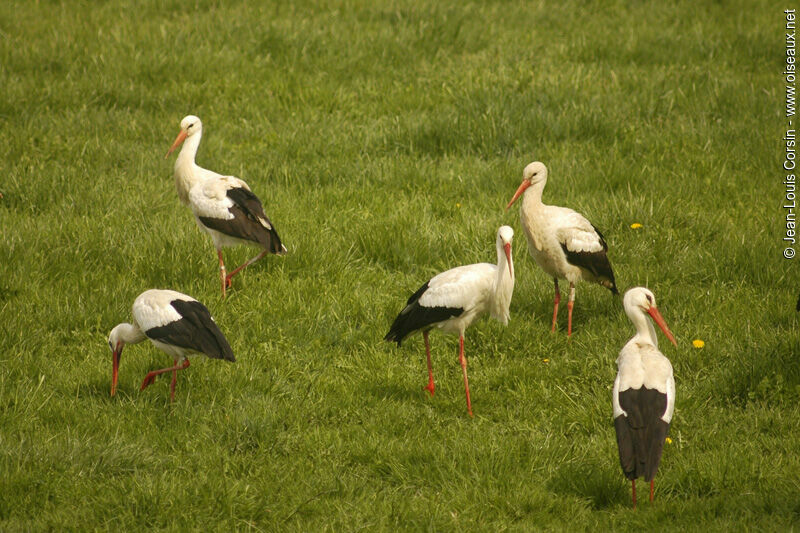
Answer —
561 241
452 300
224 206
176 324
644 392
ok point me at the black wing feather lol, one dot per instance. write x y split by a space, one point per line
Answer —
416 317
595 262
641 434
627 455
246 223
196 330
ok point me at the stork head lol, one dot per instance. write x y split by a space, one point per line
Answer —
190 125
641 300
504 237
534 173
116 344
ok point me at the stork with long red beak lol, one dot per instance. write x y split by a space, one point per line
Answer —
176 324
224 206
643 397
452 300
561 241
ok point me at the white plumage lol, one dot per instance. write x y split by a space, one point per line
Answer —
452 300
223 206
469 287
643 397
209 198
152 308
643 365
561 241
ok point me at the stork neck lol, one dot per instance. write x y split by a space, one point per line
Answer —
129 333
503 286
186 175
644 326
533 195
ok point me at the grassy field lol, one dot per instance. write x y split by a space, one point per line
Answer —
385 139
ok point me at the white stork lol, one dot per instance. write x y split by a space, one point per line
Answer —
223 206
176 324
644 392
561 241
452 300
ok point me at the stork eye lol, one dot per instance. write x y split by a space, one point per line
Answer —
649 299
110 345
189 126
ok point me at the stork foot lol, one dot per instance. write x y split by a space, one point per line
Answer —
430 387
148 380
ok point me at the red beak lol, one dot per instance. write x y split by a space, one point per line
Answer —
658 319
507 247
115 371
178 140
524 185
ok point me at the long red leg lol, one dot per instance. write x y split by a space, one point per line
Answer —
151 376
652 481
222 276
463 361
245 265
633 491
431 387
555 304
570 304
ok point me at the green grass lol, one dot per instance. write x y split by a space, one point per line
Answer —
385 140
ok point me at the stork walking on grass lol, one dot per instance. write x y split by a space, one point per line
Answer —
224 206
452 300
643 397
561 241
176 324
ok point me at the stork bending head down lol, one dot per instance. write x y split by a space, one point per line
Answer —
176 324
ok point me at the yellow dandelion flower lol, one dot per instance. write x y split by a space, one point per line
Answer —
668 441
636 225
545 360
697 343
458 205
